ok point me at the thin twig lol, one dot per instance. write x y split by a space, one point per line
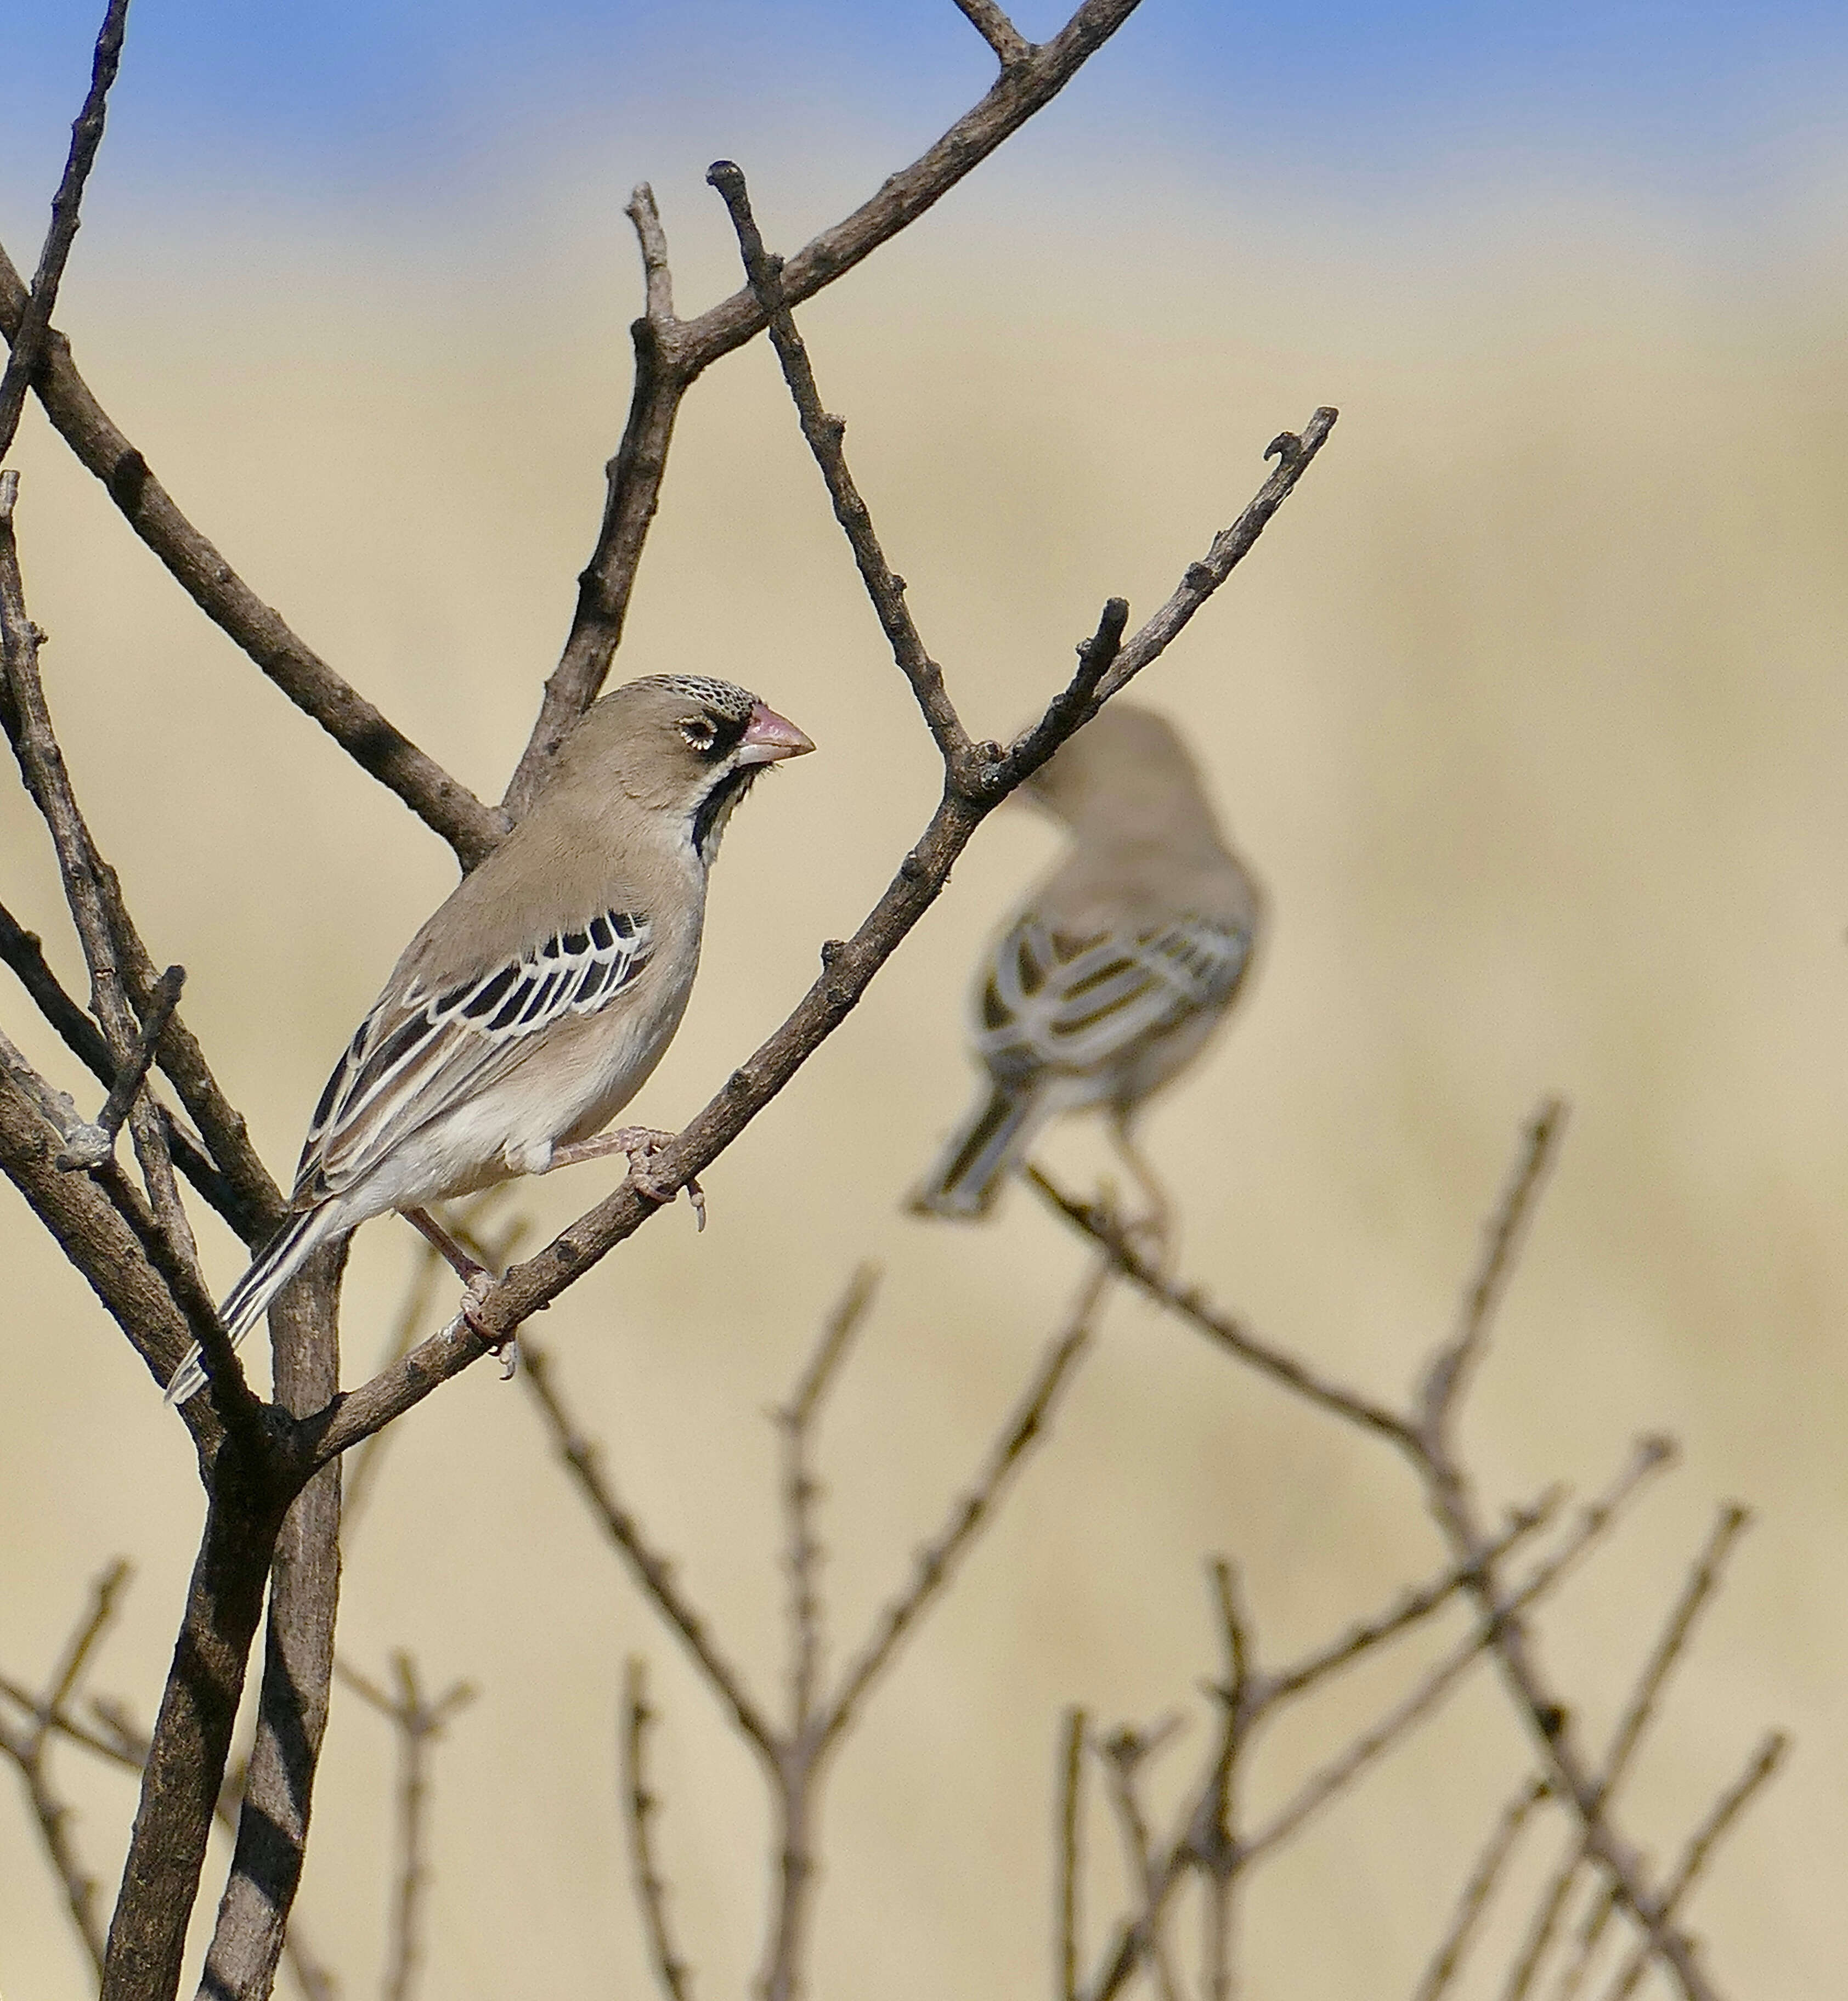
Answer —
1411 1608
86 135
27 1746
90 1146
824 434
1703 1581
41 761
639 1807
1594 1522
1448 1370
651 1571
1071 1798
801 1491
1190 1303
1123 1753
1447 1961
937 1560
1725 1811
418 1724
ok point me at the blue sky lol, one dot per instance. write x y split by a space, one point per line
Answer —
348 101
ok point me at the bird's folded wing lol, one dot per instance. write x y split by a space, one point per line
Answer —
1074 1002
419 1053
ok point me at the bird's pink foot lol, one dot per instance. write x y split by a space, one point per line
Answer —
641 1144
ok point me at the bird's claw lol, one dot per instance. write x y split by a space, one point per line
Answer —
642 1144
504 1348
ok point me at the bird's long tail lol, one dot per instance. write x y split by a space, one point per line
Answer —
248 1299
983 1153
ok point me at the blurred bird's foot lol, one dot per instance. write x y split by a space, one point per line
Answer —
638 1145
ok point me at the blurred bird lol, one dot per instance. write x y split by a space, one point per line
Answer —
1120 965
533 1006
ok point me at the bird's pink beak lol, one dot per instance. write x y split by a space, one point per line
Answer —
768 737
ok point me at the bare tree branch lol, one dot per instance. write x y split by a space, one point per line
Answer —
824 434
671 354
1190 1304
91 1145
86 136
937 1560
27 1746
1071 1796
653 1571
1702 1581
417 1724
443 803
298 1659
1447 1960
1123 1753
1725 1811
1424 1441
639 1807
1011 46
1449 1371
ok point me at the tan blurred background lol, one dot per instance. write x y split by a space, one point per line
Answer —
1529 711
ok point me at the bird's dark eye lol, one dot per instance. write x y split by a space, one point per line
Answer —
700 734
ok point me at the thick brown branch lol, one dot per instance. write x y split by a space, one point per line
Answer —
191 1736
304 1593
86 136
1011 46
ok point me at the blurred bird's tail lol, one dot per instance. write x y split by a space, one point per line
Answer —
248 1299
966 1180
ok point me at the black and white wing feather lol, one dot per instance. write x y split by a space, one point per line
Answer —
419 1052
1053 1002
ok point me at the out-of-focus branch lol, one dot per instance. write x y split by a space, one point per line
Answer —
1703 1581
418 1724
651 1571
27 1744
1731 1804
936 1562
1190 1303
1447 1961
1423 1438
1071 1832
1206 1839
86 136
640 1806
